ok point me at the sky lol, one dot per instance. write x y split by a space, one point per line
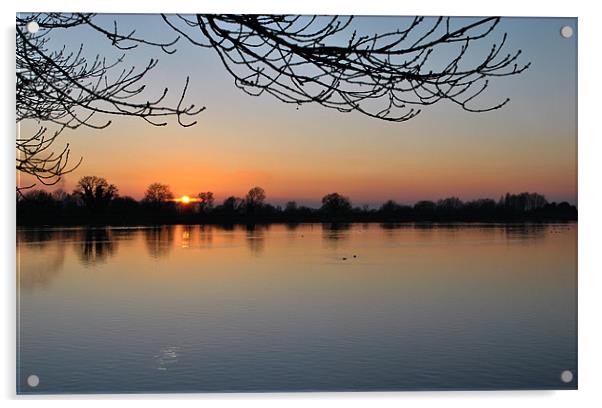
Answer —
302 154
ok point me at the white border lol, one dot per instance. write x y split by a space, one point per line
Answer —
372 7
590 197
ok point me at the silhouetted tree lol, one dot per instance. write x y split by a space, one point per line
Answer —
291 207
232 205
124 206
158 200
391 210
335 204
389 207
523 201
449 207
450 203
39 197
255 199
206 201
157 194
95 193
38 207
68 203
425 209
60 195
484 208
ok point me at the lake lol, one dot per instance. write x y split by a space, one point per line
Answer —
297 308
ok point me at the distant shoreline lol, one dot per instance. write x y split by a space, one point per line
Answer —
38 208
258 221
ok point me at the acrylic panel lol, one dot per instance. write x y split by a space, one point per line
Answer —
280 203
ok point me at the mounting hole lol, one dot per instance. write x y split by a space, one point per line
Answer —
32 27
566 376
33 381
566 31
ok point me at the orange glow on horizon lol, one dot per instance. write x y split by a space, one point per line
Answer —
185 200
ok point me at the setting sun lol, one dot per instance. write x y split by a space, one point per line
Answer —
185 199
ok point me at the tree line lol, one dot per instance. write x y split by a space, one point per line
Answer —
96 201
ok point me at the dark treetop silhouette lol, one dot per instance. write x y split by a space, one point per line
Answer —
95 201
297 59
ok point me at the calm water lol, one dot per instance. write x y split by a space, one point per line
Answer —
277 308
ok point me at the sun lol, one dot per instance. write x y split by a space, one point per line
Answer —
185 200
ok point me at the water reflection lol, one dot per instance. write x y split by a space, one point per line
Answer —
159 240
124 233
206 235
518 231
527 231
389 226
186 236
332 233
34 237
95 245
391 230
42 237
429 306
255 235
41 257
292 226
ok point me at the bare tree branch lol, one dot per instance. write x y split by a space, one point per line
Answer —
63 89
313 59
297 59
